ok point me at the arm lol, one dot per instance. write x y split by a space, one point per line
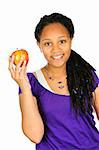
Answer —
96 101
32 123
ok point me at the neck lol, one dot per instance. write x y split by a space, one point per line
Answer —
56 72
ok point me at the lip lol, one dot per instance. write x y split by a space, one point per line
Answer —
57 56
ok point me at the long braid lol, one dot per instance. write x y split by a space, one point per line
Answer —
79 80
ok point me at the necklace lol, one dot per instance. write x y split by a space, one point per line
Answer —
60 84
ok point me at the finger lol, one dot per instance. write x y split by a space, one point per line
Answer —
11 69
23 70
18 68
24 67
11 60
19 64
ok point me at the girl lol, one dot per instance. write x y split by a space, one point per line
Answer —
57 101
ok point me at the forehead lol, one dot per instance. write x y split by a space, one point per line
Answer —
54 29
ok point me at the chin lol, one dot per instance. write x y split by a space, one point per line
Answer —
58 65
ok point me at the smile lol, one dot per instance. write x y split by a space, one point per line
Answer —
57 57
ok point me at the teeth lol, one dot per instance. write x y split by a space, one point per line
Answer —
57 57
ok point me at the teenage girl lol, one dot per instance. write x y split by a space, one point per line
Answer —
58 100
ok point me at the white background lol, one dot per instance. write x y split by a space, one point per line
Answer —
18 19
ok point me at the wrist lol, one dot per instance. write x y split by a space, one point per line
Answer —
25 87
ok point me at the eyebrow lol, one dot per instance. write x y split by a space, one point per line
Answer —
58 38
62 37
46 39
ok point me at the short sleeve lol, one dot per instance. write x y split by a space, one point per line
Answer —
32 84
95 81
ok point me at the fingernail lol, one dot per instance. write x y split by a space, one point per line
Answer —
11 58
25 62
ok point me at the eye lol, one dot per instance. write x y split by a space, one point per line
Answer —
47 44
62 41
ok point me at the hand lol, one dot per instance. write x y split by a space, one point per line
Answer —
18 72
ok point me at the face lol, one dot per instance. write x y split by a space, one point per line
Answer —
55 43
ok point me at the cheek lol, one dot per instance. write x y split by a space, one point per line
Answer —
67 53
47 55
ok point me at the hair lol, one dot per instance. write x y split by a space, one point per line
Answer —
54 18
80 79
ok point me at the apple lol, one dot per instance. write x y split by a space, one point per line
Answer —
18 54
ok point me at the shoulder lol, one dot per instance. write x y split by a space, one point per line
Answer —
38 73
96 100
31 75
32 78
34 73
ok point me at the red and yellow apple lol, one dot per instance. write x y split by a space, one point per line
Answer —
20 54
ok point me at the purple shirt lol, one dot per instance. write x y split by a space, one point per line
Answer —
63 129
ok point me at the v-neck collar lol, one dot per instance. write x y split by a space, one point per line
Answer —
42 80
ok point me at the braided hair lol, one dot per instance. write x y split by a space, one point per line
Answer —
80 78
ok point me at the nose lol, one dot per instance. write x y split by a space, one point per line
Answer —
55 47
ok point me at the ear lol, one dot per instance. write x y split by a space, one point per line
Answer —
39 46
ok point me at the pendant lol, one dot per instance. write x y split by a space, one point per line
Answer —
59 82
61 87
